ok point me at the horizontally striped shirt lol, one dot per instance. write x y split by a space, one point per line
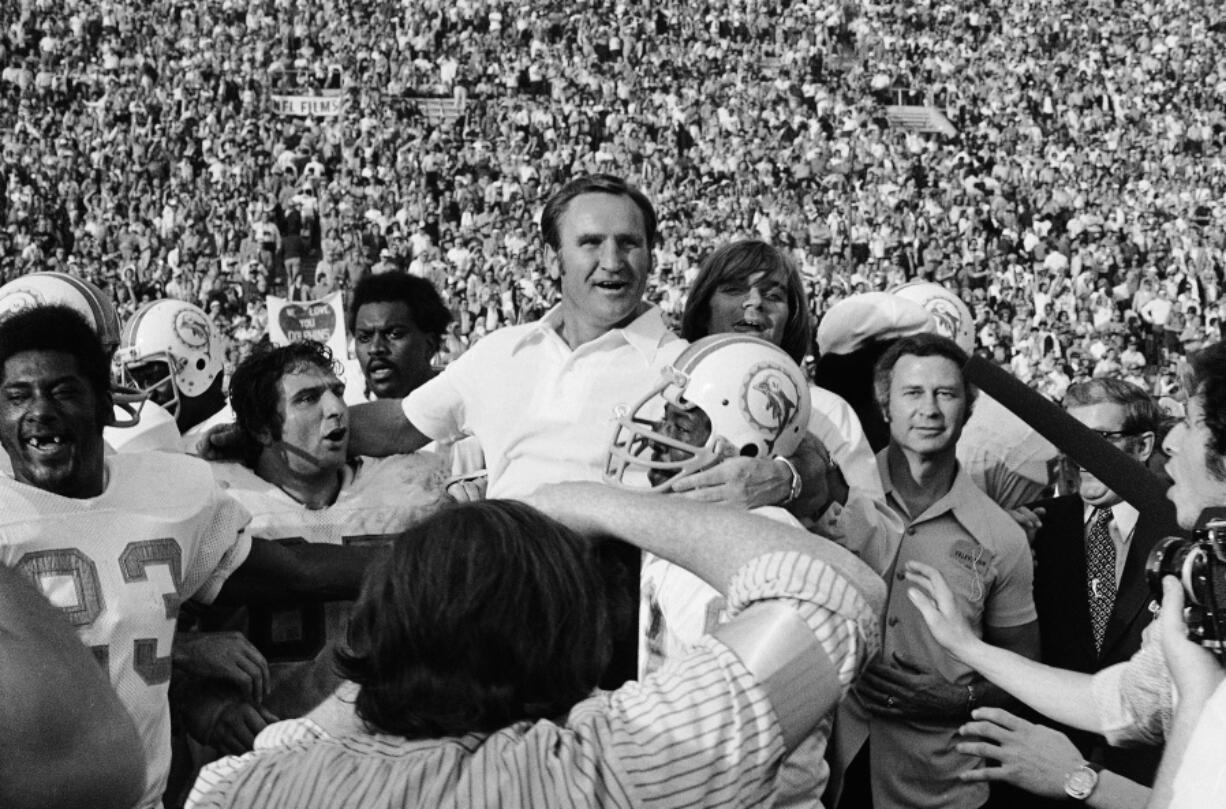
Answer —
698 732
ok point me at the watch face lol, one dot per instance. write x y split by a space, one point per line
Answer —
1080 783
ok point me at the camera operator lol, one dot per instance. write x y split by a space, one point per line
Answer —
1192 773
1171 684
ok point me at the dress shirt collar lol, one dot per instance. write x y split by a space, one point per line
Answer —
645 333
1122 514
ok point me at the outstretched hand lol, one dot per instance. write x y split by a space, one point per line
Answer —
1033 757
935 601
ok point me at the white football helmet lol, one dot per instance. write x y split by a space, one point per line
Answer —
170 350
951 317
62 289
58 288
753 394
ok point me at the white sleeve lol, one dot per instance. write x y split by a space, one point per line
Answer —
437 408
222 544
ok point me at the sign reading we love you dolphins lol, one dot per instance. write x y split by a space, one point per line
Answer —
322 320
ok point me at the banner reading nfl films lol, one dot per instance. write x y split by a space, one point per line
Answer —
317 106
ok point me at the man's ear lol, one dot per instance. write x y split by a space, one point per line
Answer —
553 264
1144 446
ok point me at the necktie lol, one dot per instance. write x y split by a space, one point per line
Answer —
1100 574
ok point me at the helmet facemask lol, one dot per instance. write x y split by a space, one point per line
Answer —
152 376
647 450
727 395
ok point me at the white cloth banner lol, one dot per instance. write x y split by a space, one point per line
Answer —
322 320
324 106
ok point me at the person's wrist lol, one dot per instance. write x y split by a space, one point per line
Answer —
795 482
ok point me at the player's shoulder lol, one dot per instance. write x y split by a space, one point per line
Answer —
234 476
419 469
156 481
159 469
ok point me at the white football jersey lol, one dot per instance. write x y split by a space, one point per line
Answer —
156 430
192 436
379 497
120 564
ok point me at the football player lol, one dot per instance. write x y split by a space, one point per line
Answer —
118 542
137 424
398 322
172 352
300 487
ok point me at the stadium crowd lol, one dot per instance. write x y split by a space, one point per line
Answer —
1078 209
556 202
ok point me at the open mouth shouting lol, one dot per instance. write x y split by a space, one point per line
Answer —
380 371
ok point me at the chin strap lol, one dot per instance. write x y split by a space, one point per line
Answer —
131 402
789 663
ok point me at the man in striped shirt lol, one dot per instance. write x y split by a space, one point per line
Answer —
490 702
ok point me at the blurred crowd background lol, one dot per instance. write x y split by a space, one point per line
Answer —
1079 210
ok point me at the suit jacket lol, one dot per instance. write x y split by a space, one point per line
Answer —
1064 613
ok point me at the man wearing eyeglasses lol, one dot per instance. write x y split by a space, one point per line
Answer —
1092 598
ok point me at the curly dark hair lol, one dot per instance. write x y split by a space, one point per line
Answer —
254 394
426 306
594 184
1207 381
62 329
485 614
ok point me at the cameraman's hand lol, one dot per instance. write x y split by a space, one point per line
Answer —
1194 669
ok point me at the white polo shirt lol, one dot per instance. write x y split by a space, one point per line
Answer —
542 412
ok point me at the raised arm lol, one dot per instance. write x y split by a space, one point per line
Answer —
806 610
1064 696
714 542
380 428
65 739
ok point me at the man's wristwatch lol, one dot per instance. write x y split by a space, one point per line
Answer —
1080 783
